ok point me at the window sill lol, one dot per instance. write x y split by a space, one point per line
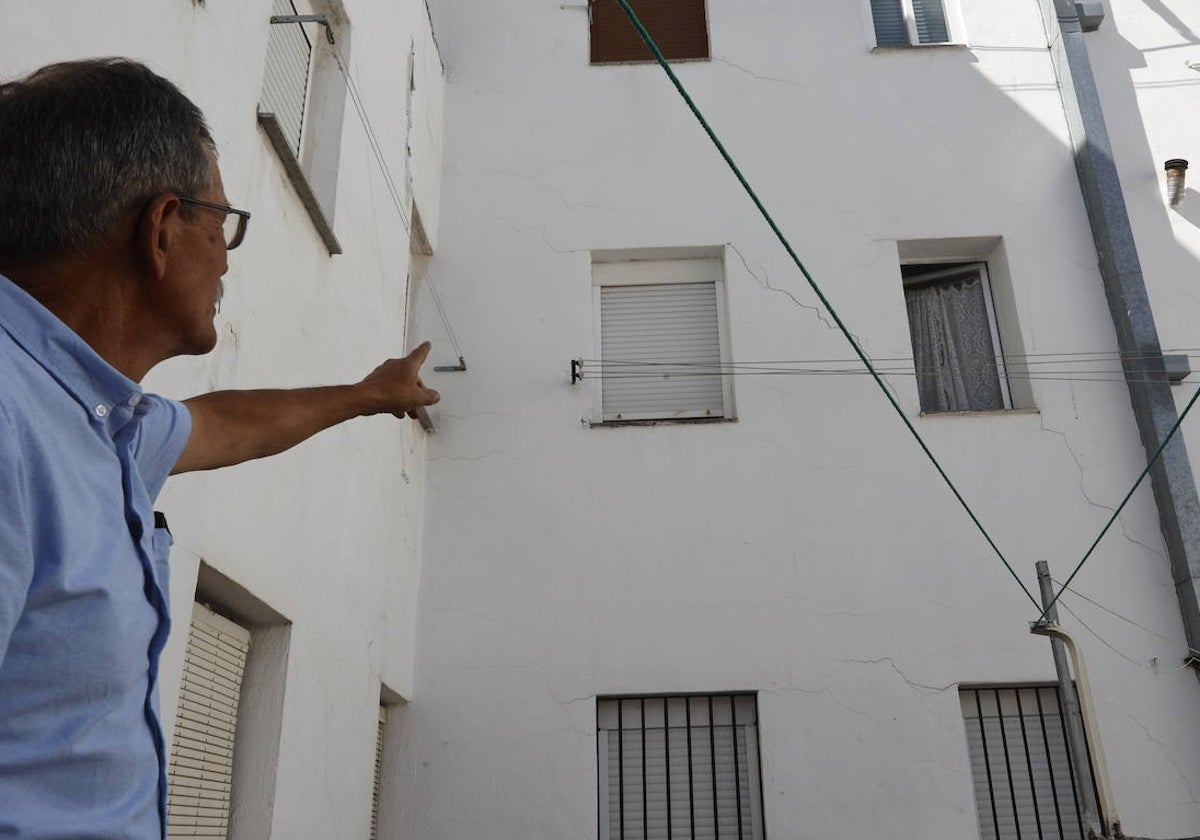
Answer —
948 45
664 421
633 62
991 412
295 174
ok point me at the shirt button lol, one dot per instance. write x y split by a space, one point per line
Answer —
101 410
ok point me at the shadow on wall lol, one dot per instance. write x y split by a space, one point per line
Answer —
1189 208
1169 18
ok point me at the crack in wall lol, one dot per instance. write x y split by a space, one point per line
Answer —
921 688
1163 747
753 75
764 281
1125 528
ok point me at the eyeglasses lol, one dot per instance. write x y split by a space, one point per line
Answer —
234 225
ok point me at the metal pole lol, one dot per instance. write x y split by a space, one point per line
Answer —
1076 742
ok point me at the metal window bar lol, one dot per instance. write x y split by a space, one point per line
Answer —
699 788
1024 781
285 82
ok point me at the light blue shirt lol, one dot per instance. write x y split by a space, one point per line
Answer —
83 585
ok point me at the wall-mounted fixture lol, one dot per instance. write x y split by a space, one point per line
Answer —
1176 167
1091 14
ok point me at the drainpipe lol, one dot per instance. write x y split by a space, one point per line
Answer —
1137 337
1108 807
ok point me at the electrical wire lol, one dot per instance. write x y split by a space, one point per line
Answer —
1124 656
1127 620
390 182
858 351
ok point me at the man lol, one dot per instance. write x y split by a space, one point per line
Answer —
114 232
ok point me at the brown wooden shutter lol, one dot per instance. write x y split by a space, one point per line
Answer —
679 27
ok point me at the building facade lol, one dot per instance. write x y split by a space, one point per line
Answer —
605 556
671 565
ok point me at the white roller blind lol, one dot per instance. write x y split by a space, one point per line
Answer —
201 769
1020 764
285 80
661 351
379 730
700 779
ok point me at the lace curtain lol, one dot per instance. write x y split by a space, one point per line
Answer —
952 346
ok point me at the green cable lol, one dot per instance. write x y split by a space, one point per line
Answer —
633 18
1121 507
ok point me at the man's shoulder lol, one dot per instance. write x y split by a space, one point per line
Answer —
28 392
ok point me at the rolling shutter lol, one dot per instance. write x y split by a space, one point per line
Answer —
285 82
679 27
201 769
661 351
931 21
891 26
695 778
1020 764
378 772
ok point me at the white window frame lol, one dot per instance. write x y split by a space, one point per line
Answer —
659 272
931 277
955 30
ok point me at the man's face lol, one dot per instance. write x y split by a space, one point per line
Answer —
193 284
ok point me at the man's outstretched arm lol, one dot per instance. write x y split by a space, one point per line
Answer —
229 427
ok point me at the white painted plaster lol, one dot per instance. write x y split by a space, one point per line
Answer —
807 551
329 535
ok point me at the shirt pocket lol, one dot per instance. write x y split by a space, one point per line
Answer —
161 543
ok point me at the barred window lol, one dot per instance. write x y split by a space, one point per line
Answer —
682 767
1021 763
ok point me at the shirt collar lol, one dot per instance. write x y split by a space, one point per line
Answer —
106 394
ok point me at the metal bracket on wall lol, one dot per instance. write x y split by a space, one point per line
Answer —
458 368
576 370
1178 367
1091 14
424 419
321 19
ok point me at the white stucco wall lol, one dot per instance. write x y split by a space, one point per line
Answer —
329 535
807 551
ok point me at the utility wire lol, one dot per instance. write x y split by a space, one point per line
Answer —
1121 507
858 351
389 181
1127 620
1077 356
1124 656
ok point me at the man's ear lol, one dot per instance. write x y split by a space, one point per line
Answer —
157 232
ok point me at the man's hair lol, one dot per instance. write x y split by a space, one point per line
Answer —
82 142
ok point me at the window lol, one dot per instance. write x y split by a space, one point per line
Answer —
679 27
380 726
303 100
956 343
903 23
661 328
1021 764
681 767
201 769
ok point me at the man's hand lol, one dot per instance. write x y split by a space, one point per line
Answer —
229 427
395 387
